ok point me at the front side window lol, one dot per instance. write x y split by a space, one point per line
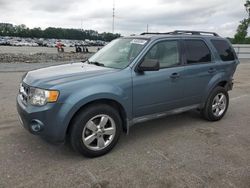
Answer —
225 51
165 52
119 53
197 52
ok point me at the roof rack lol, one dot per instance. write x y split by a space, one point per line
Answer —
194 32
180 32
156 33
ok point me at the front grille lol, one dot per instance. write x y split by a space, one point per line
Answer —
24 92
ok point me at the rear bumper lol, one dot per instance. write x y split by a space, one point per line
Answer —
43 121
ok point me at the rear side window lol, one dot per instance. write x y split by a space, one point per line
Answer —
197 52
224 50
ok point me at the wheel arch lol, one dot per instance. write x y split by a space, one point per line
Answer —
222 83
111 102
213 84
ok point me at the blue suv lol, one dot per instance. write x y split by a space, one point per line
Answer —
131 80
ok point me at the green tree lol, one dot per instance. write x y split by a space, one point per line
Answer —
241 34
36 32
6 29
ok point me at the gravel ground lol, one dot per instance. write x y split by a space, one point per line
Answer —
11 54
178 151
32 50
43 57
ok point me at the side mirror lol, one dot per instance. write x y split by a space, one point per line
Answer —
149 65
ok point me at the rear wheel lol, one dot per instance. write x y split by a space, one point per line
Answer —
216 104
96 130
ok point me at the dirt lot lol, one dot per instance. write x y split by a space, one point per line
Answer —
178 151
12 54
32 50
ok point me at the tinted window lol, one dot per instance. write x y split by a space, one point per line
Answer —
225 51
197 52
165 52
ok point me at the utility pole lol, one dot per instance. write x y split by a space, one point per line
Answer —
113 16
147 28
81 25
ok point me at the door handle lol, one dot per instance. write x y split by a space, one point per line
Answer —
175 75
211 70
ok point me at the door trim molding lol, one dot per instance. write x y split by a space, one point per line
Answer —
162 114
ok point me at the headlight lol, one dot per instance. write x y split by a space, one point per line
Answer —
40 97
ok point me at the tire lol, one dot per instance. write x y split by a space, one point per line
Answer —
216 107
95 130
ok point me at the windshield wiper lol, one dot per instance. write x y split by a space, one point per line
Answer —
95 63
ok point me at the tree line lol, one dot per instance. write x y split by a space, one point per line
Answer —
7 29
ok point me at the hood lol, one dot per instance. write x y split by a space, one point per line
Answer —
54 75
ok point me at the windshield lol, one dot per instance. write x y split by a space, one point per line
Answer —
118 53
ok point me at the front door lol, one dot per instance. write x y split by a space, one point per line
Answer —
159 91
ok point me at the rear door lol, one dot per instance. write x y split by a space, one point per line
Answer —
200 67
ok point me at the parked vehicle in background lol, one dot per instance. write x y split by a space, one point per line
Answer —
17 41
131 80
3 42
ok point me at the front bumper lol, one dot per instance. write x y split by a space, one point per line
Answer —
44 121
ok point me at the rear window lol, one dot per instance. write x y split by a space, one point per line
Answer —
197 52
224 50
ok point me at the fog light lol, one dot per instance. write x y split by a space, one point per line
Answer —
36 126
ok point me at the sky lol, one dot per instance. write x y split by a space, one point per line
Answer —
131 16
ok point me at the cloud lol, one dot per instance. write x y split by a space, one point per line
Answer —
53 6
130 16
3 5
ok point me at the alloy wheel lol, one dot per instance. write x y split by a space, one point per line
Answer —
219 104
99 132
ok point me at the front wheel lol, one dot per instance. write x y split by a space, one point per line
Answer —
96 130
216 104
